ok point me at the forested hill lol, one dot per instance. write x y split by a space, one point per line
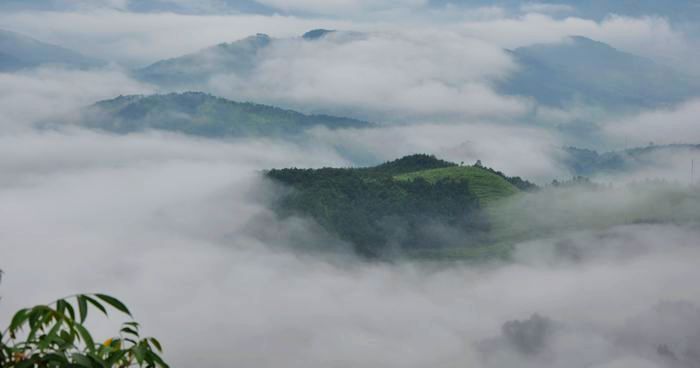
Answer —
205 115
414 203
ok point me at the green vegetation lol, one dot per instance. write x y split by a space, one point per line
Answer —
417 204
54 335
487 186
203 115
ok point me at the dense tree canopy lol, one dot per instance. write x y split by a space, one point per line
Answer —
381 212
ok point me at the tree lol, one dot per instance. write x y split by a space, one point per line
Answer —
54 335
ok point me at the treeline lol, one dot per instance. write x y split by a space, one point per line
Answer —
380 215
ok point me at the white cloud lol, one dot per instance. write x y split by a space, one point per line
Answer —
674 125
343 7
392 76
652 37
172 226
514 149
32 96
139 39
547 8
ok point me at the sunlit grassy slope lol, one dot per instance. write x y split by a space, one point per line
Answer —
487 186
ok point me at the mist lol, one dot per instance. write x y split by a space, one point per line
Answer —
180 229
184 230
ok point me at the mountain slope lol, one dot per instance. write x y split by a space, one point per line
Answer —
486 185
9 63
195 69
582 70
590 163
18 52
201 114
414 204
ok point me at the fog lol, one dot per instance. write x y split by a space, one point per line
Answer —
183 231
180 230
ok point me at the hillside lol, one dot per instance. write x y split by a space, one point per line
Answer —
204 115
585 71
486 185
577 70
415 204
591 163
19 52
195 69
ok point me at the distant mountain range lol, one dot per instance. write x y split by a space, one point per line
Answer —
21 52
194 70
576 70
204 115
585 71
587 162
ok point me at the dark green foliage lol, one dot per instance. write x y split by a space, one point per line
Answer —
316 34
516 181
380 214
203 115
53 335
409 164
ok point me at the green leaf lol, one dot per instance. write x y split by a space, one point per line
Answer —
70 310
28 363
82 307
114 303
160 361
140 352
87 338
114 358
156 343
82 360
129 330
55 357
18 319
97 304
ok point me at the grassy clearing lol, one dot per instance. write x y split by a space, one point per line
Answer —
487 186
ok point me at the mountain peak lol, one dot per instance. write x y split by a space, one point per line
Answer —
316 34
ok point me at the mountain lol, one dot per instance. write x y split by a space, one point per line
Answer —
204 115
195 69
582 70
9 63
417 203
19 52
577 70
587 162
316 34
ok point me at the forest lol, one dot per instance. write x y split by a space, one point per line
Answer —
414 203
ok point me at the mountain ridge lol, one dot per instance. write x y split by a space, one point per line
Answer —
202 114
27 52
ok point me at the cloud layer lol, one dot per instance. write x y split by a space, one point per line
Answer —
181 228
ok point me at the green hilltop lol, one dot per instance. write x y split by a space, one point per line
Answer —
486 185
414 205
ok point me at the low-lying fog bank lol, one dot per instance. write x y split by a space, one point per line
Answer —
179 229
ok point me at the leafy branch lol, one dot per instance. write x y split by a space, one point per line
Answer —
54 335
